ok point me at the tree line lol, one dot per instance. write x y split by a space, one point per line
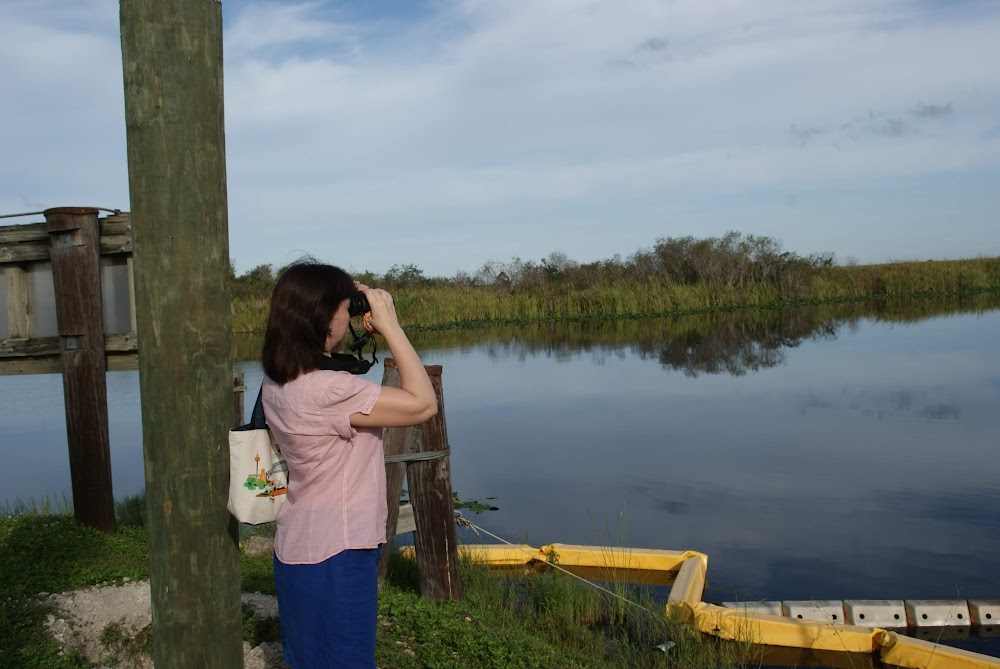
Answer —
734 260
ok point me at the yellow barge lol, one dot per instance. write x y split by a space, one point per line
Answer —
791 640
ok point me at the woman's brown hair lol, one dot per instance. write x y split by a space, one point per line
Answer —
303 302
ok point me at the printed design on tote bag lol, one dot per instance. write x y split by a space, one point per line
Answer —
269 482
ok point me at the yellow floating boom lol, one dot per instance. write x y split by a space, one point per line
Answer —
685 572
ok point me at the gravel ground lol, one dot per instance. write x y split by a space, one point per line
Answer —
83 614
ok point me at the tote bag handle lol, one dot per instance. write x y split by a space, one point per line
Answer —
257 420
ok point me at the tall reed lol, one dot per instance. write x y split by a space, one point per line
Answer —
678 276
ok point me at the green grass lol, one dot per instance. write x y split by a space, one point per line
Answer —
46 506
547 621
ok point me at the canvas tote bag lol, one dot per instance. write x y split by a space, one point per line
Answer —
258 475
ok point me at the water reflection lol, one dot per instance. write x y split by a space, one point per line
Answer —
734 343
842 452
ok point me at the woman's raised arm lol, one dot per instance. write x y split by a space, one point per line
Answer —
414 402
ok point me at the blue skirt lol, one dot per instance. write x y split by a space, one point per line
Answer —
329 610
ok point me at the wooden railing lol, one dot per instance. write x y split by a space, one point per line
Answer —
25 247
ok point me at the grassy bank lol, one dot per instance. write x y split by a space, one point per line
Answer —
625 290
546 621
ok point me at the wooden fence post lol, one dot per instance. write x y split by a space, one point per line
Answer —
429 484
395 441
239 390
174 122
76 276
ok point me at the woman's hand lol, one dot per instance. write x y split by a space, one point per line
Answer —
414 401
383 311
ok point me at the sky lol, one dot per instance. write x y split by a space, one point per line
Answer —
449 133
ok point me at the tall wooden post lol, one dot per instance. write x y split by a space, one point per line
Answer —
429 480
395 441
76 276
429 484
172 63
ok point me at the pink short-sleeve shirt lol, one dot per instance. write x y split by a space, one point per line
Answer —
336 473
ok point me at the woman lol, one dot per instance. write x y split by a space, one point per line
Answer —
329 422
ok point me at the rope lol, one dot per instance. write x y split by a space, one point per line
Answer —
35 213
460 520
418 457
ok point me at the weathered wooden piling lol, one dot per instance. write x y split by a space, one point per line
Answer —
428 476
429 484
396 441
172 64
76 276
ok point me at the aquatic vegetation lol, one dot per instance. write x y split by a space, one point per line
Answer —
677 276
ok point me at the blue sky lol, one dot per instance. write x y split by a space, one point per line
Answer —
449 133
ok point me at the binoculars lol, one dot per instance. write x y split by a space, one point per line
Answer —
358 304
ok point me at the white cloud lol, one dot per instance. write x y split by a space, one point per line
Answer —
266 24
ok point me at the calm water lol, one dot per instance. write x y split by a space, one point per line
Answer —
811 456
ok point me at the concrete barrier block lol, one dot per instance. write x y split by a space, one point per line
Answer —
938 613
985 611
884 613
827 611
772 608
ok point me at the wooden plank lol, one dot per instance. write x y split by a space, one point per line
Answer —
30 243
122 342
116 244
24 366
123 362
116 224
429 483
39 251
26 252
19 234
115 362
18 312
29 348
76 276
405 522
174 123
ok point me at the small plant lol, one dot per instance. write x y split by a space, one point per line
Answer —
473 505
258 630
131 510
125 646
